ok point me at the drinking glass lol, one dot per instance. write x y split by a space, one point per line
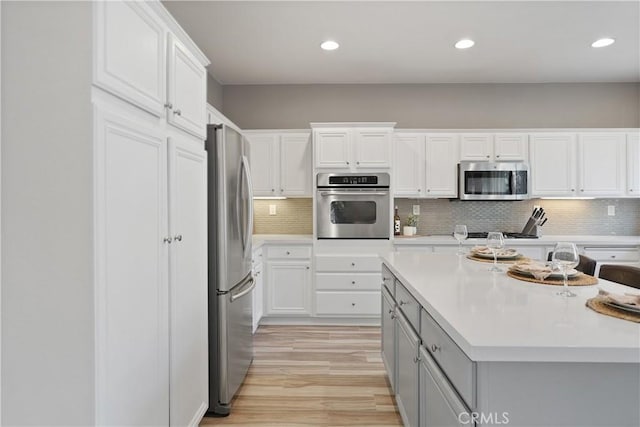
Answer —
460 233
495 241
565 256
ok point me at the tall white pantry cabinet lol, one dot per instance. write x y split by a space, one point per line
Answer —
140 116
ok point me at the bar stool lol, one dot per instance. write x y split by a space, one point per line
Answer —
623 274
586 265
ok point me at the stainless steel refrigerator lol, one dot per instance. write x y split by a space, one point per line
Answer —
230 212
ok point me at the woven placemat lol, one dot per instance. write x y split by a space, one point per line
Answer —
597 304
580 279
519 258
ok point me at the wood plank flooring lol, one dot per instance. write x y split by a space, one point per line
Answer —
314 376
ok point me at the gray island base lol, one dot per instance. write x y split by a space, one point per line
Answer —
464 346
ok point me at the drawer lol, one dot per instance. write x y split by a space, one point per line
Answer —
348 282
388 280
458 368
613 254
348 303
289 252
409 306
348 263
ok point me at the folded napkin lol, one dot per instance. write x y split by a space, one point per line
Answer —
631 300
531 267
484 250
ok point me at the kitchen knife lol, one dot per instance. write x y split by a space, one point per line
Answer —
543 222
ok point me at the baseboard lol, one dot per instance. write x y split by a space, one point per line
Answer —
332 321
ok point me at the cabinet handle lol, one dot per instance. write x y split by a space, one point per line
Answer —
498 156
353 304
273 189
487 156
353 282
419 190
357 163
631 189
168 105
347 162
281 190
573 189
384 279
613 256
403 303
393 316
177 112
390 310
167 240
428 190
288 253
307 267
416 359
353 264
434 348
582 189
178 237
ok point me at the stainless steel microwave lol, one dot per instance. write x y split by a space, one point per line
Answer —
493 181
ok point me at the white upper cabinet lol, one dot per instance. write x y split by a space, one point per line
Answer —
510 146
186 90
140 58
295 165
130 54
280 164
441 172
353 148
633 164
553 164
408 165
478 147
601 164
493 147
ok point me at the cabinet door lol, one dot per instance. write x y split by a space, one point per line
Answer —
372 148
408 166
288 287
440 406
602 164
633 164
553 164
441 152
388 337
188 281
258 297
295 165
263 160
510 146
332 149
130 59
187 90
407 373
478 147
132 324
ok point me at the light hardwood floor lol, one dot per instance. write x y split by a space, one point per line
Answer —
314 376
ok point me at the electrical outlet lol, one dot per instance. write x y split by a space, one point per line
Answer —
272 209
611 210
416 209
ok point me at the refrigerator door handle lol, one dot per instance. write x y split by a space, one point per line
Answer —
244 288
249 191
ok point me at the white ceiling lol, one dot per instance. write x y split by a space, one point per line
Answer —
265 42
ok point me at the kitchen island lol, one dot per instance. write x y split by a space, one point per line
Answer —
497 346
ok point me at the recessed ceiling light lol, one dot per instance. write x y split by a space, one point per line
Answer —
603 42
329 45
465 44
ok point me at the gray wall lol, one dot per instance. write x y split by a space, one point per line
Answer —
437 105
214 92
47 258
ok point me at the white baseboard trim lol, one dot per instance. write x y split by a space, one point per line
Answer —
332 321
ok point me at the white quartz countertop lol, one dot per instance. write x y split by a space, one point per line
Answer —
493 317
551 240
262 239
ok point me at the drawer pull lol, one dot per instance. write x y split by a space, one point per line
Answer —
353 264
613 256
403 303
393 316
434 348
416 359
288 253
390 310
353 282
353 304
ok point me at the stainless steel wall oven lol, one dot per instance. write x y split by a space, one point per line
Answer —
353 206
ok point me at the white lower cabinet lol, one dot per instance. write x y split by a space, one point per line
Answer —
348 285
408 345
440 406
258 292
151 273
288 281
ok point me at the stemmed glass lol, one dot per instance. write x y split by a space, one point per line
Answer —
460 233
565 256
495 241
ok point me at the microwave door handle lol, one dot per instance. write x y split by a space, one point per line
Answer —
514 182
353 193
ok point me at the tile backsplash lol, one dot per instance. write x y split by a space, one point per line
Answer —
438 216
293 216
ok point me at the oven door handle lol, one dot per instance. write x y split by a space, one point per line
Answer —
353 193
